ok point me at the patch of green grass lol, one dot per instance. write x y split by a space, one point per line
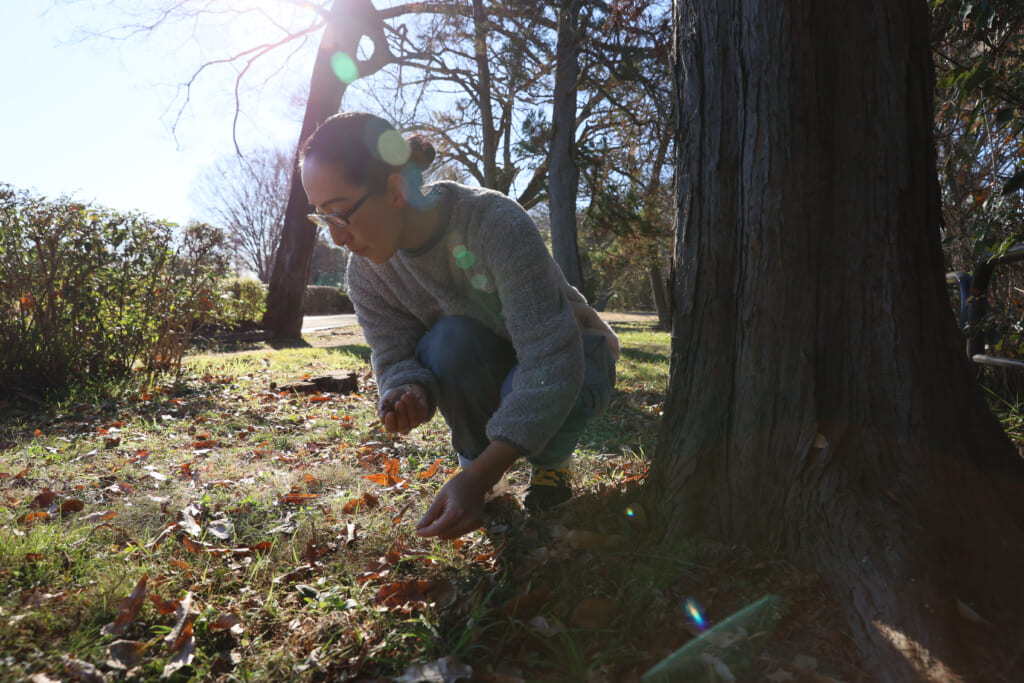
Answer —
257 504
1010 412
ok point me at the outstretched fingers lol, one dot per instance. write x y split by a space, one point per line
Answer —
446 520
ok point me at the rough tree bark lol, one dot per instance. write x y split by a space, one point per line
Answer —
349 21
820 400
563 174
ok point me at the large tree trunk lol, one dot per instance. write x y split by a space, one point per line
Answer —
820 400
563 174
349 21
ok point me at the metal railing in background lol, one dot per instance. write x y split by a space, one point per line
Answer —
973 290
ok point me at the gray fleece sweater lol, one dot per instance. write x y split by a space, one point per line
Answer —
487 261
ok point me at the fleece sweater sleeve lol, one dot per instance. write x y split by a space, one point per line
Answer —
391 331
541 324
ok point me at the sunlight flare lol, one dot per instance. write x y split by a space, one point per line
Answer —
695 613
344 67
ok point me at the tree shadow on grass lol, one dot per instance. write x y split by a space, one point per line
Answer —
643 356
636 326
360 351
288 343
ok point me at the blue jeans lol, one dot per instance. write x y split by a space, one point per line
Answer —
474 369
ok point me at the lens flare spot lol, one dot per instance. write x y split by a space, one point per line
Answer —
630 512
393 148
344 67
695 613
464 258
479 281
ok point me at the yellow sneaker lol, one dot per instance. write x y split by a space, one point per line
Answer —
548 488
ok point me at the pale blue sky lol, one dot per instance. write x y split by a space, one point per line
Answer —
92 118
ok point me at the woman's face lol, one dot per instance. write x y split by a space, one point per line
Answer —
374 226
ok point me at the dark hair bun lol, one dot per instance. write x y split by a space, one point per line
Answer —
421 151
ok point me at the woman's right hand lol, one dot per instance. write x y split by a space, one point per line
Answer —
457 509
403 409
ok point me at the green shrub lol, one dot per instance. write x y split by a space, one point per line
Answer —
242 300
88 294
323 300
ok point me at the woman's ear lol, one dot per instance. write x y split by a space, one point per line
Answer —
398 190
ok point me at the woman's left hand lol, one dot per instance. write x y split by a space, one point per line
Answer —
403 409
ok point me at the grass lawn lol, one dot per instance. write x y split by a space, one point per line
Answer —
218 528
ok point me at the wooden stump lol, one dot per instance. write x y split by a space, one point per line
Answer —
342 382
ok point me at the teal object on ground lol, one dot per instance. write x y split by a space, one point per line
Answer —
724 650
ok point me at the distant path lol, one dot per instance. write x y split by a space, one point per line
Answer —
628 316
318 323
315 323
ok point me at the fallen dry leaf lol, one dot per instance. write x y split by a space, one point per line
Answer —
126 654
594 613
127 609
432 470
229 621
43 500
524 606
588 540
351 507
120 489
543 627
444 670
296 574
99 516
42 678
399 593
401 513
184 653
30 518
295 498
71 505
221 528
201 548
82 671
350 537
164 607
183 625
386 480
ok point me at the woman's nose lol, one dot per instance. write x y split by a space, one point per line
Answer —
339 235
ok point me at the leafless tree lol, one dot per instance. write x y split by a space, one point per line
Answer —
495 57
247 196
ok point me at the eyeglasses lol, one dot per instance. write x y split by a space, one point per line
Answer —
338 220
